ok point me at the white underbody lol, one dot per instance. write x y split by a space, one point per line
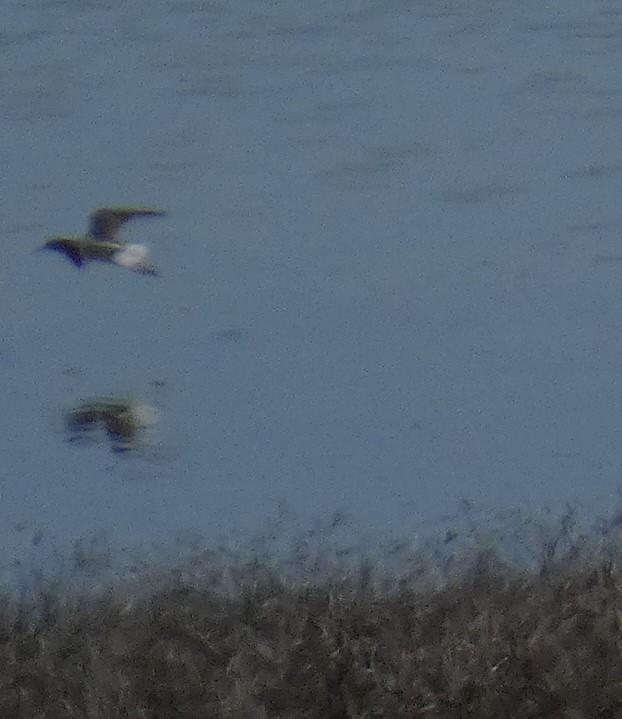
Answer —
134 257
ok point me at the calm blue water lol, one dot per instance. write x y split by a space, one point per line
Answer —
391 268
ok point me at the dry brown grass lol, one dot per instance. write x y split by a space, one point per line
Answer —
250 641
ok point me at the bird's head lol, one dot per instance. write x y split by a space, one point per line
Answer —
58 242
69 246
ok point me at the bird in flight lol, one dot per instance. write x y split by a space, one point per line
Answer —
123 419
103 243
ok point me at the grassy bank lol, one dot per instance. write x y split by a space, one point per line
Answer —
245 639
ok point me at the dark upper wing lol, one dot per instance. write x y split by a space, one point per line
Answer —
75 256
105 222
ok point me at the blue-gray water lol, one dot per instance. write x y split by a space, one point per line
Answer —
391 268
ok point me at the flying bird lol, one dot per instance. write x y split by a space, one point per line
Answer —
103 242
124 421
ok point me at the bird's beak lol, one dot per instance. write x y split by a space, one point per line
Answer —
44 246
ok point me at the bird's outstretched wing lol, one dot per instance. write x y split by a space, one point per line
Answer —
106 221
